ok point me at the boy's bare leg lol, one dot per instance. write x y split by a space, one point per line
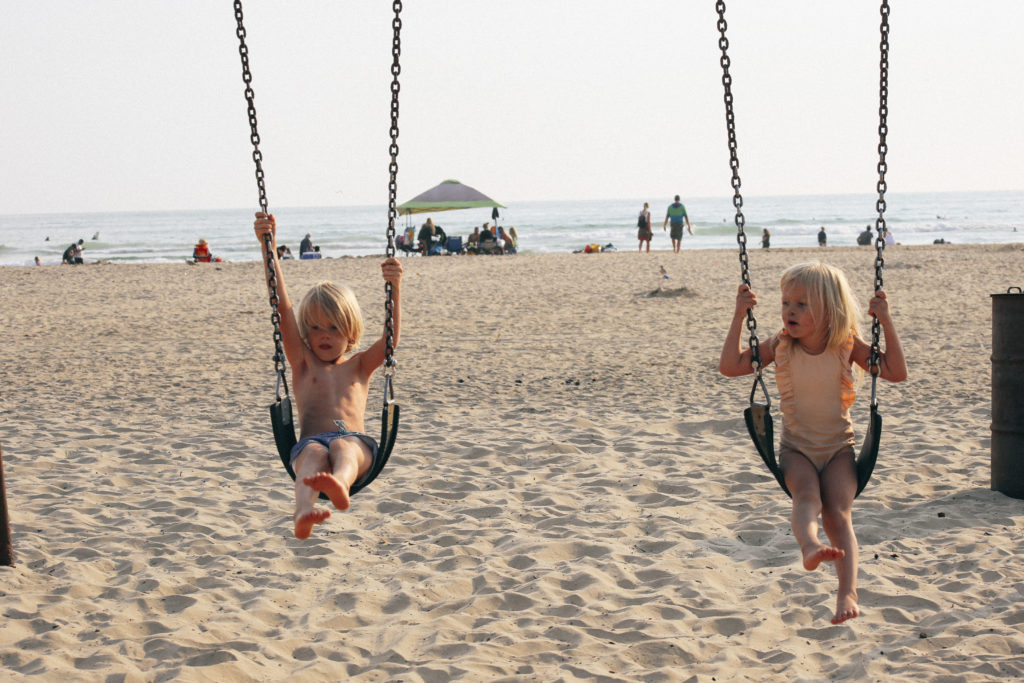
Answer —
311 460
838 489
805 486
350 458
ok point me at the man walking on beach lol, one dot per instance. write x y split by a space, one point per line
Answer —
677 214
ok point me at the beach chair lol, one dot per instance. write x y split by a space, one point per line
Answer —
454 245
407 244
488 245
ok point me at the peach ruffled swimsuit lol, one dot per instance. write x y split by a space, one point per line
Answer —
816 392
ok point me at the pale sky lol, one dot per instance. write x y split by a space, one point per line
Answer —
112 105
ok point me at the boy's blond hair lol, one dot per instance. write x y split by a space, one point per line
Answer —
830 298
338 304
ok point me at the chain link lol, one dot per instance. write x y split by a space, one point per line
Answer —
396 70
734 164
883 148
257 157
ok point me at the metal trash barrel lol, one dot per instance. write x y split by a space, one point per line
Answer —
1008 392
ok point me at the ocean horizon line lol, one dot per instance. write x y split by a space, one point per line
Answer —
668 199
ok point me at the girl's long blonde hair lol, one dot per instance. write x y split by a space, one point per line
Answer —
830 298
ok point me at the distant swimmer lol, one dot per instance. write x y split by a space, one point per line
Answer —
96 235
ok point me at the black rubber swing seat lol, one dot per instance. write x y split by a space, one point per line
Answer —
762 432
284 437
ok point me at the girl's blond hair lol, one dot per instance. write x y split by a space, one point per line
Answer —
830 298
338 304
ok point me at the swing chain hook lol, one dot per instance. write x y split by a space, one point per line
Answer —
737 198
396 70
257 157
883 148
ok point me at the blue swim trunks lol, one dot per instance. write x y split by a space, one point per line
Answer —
325 439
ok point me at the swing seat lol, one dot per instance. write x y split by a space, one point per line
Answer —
284 437
762 433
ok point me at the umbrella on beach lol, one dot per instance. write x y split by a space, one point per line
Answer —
449 195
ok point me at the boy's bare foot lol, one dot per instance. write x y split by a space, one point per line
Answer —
327 483
846 608
821 553
304 524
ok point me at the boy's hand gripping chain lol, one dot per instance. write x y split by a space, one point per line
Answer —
389 320
257 157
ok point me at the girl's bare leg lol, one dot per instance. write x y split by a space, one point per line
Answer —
805 486
838 489
311 460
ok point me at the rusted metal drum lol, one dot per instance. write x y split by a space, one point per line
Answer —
1008 393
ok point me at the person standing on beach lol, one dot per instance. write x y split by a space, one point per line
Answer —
643 225
676 214
822 237
814 356
306 245
330 384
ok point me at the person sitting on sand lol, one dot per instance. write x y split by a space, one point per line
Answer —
865 237
505 241
201 252
813 357
330 384
73 254
306 245
428 237
473 241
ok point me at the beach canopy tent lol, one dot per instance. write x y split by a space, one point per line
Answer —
448 196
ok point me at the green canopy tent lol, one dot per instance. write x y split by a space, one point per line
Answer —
448 196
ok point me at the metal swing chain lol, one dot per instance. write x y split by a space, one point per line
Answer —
737 198
883 148
396 70
257 157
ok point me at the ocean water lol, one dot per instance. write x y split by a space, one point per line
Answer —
543 227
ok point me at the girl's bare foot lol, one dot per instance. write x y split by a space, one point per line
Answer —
327 483
304 524
821 553
846 608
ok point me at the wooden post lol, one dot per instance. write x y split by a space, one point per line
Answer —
6 550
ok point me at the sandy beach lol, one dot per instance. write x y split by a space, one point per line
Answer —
573 495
